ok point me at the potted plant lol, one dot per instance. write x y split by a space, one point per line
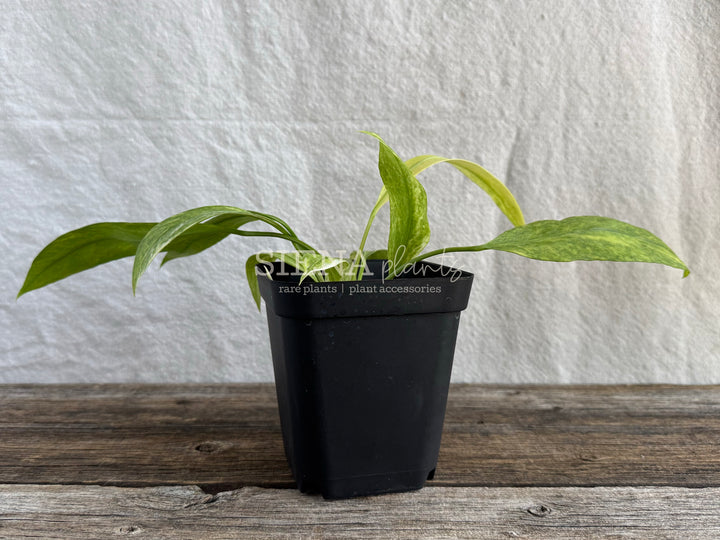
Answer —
362 345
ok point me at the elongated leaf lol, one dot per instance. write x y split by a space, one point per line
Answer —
251 273
376 254
586 238
201 237
481 177
499 193
82 249
171 228
409 227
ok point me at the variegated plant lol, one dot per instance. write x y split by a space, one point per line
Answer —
190 232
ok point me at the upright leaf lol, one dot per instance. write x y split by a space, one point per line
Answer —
499 193
409 227
82 249
376 254
585 238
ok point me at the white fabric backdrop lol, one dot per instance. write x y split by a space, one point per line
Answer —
136 110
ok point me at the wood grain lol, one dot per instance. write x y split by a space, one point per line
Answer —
483 513
582 436
228 436
142 435
208 462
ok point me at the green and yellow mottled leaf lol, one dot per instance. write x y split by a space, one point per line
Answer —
409 226
251 273
205 235
168 230
586 238
497 191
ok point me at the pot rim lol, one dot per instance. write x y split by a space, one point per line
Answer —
446 290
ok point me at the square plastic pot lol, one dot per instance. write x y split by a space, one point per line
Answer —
362 371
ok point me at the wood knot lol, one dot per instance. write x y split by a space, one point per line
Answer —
130 529
539 510
208 447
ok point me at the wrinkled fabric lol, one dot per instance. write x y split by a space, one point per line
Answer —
133 111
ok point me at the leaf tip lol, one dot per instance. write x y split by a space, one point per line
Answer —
26 288
372 134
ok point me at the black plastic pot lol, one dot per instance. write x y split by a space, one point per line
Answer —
362 371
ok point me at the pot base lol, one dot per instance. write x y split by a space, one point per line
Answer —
370 485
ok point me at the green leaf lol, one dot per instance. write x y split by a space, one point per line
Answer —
357 263
202 236
82 249
251 273
498 192
586 238
409 227
162 234
310 263
376 254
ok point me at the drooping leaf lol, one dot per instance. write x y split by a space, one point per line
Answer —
201 237
409 227
251 273
586 238
82 249
499 193
171 228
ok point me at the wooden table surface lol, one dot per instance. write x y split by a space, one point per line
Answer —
206 461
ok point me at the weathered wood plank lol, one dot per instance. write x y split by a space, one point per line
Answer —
142 435
581 436
482 513
228 436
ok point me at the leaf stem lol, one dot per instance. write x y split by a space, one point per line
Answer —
276 222
382 199
296 241
394 271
